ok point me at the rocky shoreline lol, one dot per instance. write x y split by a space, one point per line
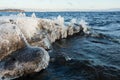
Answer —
25 41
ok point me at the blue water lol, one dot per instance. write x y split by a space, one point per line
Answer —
93 57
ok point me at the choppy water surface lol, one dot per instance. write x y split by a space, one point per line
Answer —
84 57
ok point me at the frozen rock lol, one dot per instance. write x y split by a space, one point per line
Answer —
22 62
10 39
43 32
17 58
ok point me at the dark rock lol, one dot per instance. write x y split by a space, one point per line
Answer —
24 61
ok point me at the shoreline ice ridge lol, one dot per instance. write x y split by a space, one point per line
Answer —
17 31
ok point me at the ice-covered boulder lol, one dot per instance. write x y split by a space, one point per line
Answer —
22 62
10 39
17 57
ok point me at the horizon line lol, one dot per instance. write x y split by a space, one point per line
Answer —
44 10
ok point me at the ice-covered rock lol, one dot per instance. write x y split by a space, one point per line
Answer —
17 57
10 39
22 62
18 33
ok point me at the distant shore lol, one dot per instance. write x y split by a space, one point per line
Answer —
11 10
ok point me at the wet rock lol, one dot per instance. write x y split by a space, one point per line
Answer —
22 62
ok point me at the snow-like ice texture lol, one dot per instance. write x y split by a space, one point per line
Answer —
10 39
18 33
43 32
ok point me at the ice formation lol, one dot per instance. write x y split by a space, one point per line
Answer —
33 15
18 33
85 27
